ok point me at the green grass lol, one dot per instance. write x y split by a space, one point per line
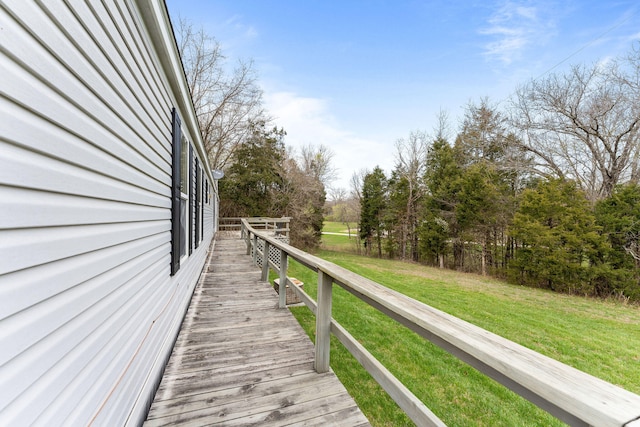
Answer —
338 227
338 242
598 337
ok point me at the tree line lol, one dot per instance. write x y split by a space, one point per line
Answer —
266 179
262 176
543 192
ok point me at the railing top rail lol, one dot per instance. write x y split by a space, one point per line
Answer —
568 393
259 220
256 220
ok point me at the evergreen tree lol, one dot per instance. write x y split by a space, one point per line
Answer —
619 216
561 247
478 208
493 165
483 136
442 182
434 237
395 218
373 205
253 183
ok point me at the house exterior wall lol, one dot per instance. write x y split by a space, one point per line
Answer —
89 309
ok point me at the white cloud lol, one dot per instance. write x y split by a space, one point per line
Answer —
239 27
530 13
309 120
514 27
603 63
251 33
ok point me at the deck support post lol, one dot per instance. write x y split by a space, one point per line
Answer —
282 297
323 322
265 261
247 241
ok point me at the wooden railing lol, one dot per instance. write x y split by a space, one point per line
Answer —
572 396
280 226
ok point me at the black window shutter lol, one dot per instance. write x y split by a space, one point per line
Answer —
192 200
198 203
175 193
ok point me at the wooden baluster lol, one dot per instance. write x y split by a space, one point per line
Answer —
323 322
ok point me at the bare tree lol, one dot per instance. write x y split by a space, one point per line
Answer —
316 161
344 209
357 180
411 154
337 194
632 247
442 130
632 80
226 103
305 199
352 215
583 125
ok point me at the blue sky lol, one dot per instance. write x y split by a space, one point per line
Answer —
358 75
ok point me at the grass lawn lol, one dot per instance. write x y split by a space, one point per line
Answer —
598 337
339 227
340 243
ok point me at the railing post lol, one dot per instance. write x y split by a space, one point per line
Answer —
323 322
265 261
282 301
255 249
247 241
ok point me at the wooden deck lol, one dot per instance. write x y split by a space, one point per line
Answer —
241 361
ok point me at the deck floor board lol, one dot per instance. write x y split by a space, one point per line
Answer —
239 360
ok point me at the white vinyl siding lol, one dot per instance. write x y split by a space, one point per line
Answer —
88 307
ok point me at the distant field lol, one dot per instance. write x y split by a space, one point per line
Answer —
599 337
339 243
339 227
